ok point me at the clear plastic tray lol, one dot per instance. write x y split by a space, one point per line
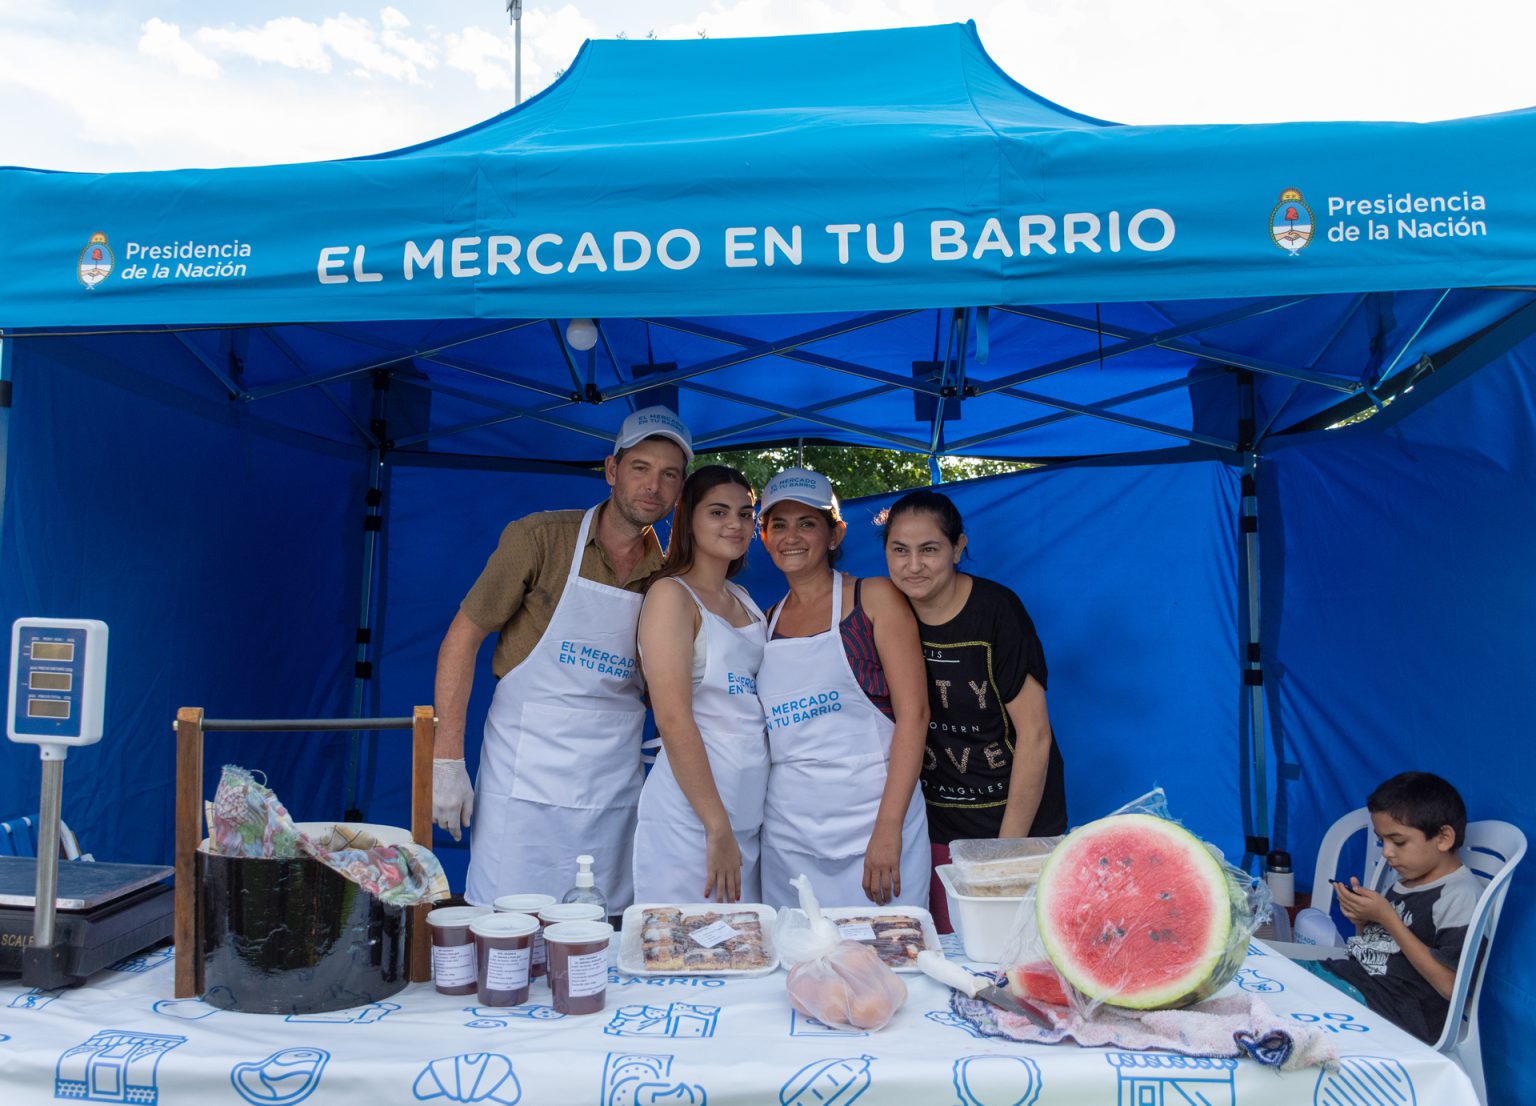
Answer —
839 914
999 866
631 952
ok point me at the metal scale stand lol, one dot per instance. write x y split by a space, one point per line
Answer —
110 911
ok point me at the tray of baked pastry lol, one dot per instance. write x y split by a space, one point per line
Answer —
706 938
896 933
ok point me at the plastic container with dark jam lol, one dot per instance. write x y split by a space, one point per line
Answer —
529 904
558 912
503 955
578 965
453 948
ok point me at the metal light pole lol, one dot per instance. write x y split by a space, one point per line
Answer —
515 12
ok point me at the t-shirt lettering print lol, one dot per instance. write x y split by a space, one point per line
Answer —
977 663
1436 913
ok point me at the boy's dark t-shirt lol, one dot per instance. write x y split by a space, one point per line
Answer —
1436 913
977 663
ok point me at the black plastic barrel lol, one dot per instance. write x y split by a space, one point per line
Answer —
293 937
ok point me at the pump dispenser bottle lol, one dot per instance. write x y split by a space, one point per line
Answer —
586 889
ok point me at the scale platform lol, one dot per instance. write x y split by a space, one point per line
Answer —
105 912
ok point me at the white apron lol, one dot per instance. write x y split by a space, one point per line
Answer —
670 852
829 747
560 767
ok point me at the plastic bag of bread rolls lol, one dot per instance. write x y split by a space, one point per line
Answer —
843 984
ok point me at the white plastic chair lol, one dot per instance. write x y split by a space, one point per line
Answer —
1491 850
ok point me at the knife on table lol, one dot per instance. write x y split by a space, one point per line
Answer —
936 967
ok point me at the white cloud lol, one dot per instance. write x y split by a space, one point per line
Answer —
393 19
296 43
163 41
357 42
301 44
553 37
486 57
550 42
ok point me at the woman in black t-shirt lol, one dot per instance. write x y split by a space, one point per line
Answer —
991 767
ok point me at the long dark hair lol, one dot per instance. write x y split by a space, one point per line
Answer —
679 558
937 504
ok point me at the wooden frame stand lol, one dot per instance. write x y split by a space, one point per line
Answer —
190 727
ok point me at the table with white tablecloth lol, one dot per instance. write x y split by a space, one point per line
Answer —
690 1040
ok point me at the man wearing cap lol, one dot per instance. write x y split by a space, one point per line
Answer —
560 764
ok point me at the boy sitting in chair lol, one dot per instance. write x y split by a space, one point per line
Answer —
1402 960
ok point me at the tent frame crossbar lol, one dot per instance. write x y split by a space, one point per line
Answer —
748 352
911 445
1338 330
534 386
727 433
280 344
756 351
849 368
341 374
1093 411
1173 341
1097 411
225 380
1381 377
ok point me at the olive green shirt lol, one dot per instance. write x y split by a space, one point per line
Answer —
520 586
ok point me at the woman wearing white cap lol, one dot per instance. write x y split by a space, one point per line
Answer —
701 642
844 694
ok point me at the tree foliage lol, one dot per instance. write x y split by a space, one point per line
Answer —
856 470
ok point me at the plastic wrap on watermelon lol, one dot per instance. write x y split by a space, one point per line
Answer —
840 983
1135 912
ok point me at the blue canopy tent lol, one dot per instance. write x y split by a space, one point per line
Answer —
266 422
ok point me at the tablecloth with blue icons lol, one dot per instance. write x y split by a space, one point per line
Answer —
689 1041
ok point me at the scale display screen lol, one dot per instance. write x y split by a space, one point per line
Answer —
58 683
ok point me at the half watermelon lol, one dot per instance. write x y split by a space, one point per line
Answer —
1135 911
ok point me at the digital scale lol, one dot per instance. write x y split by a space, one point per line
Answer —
109 911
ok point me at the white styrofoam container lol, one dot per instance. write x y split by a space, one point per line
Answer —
983 921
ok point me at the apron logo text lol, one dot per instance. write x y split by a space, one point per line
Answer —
792 712
597 660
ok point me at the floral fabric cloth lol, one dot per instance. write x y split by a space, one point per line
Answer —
246 819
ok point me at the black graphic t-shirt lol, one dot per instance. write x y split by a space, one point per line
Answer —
977 663
1436 913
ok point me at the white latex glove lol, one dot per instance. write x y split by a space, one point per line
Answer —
453 796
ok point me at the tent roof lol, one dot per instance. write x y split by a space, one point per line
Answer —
750 214
638 92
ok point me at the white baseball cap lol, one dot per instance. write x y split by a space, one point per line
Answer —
801 486
654 422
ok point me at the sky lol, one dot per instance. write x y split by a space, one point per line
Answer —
113 85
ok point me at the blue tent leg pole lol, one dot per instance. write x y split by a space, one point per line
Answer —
1257 843
358 793
5 417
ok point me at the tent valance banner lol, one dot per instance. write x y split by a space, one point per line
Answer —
821 173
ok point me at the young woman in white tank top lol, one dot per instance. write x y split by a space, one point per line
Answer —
701 642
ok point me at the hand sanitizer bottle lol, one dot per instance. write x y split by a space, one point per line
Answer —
586 889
